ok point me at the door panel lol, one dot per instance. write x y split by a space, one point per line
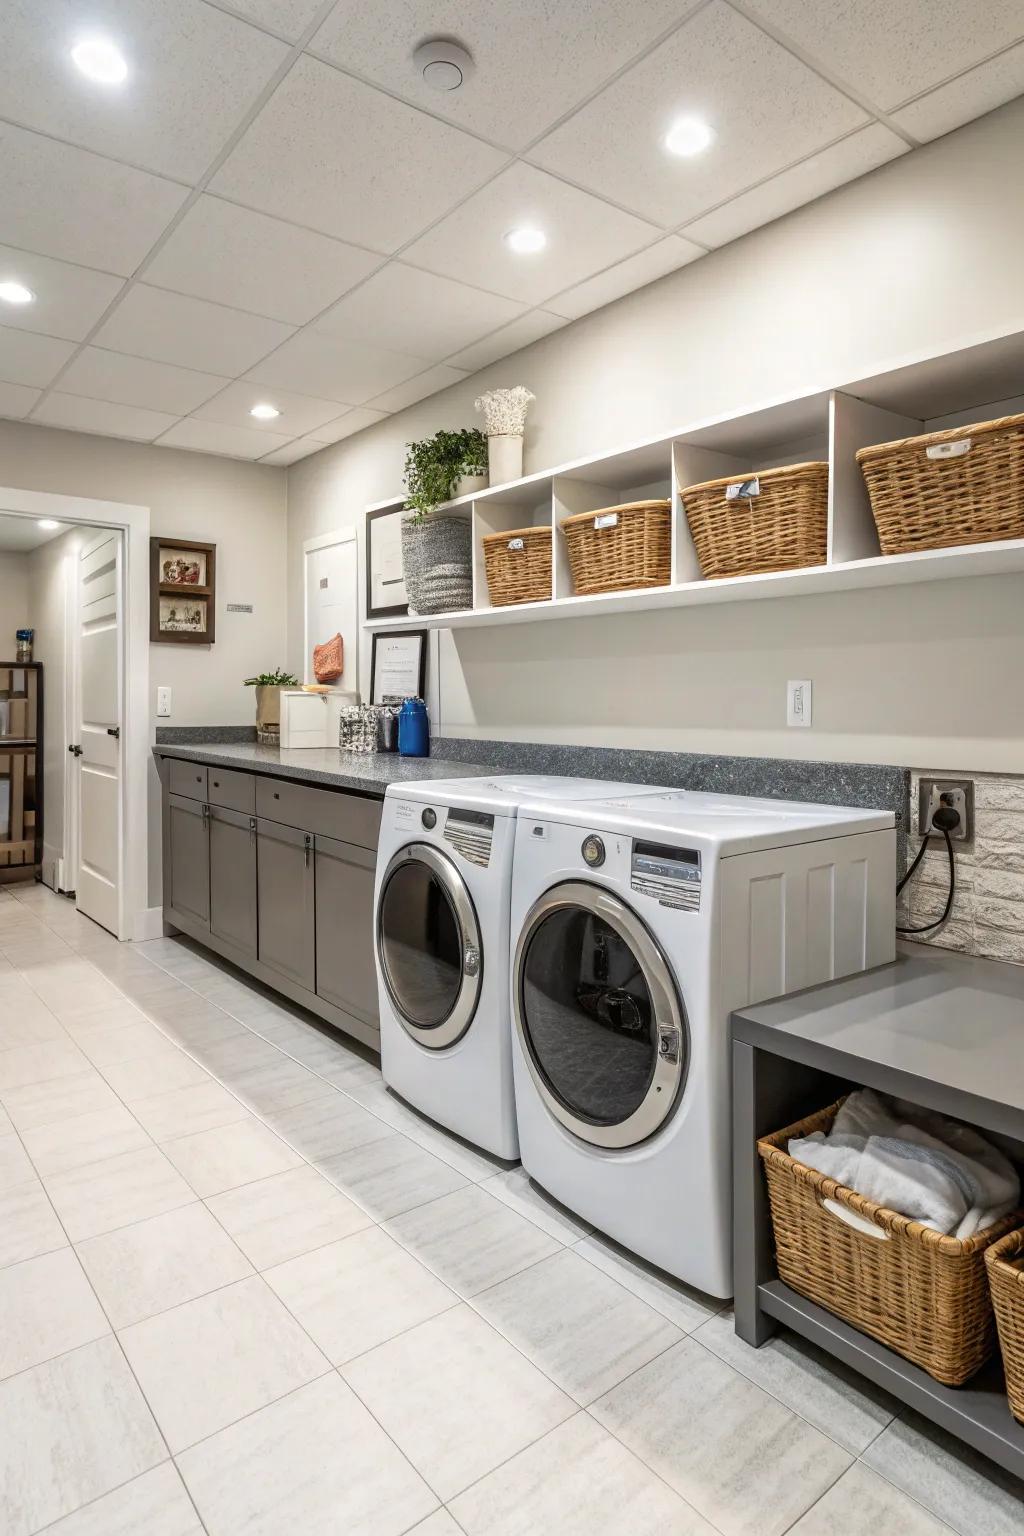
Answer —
287 902
233 878
345 972
99 779
187 876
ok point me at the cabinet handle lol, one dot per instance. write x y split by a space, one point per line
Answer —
206 812
252 829
307 841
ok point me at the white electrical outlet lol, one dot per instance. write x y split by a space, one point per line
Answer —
163 702
798 702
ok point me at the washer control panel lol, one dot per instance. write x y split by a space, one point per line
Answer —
471 834
670 875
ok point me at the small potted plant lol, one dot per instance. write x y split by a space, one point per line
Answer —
437 553
504 412
268 687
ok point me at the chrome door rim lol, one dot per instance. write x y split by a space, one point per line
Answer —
459 1018
669 1015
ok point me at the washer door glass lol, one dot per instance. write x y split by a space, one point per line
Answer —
428 944
598 1015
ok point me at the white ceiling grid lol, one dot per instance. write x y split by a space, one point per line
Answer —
273 205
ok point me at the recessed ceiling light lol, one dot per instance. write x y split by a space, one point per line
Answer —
15 293
264 412
526 241
101 60
688 136
47 523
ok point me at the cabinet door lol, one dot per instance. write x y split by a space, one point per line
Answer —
233 878
287 939
187 859
345 971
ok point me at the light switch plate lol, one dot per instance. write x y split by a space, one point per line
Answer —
163 702
799 701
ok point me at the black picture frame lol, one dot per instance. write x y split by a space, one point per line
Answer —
401 634
397 610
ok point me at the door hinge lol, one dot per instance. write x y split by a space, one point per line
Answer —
115 731
75 750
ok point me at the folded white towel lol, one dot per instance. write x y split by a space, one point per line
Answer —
934 1170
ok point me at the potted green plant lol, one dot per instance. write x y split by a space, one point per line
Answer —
437 552
268 687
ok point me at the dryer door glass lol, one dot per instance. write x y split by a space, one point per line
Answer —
598 1016
428 945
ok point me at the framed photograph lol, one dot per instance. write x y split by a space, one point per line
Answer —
183 591
386 597
398 667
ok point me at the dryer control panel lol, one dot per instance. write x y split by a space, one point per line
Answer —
670 875
471 834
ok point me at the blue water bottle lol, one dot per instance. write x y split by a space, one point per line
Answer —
413 729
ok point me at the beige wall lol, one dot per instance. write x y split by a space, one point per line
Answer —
920 257
14 599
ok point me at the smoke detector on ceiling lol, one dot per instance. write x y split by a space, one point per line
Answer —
443 65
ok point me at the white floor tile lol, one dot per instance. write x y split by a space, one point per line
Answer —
187 1111
82 1139
515 1187
47 1307
147 1268
471 1240
681 1304
207 1363
864 1504
965 1490
154 1504
23 1065
277 1219
240 1153
116 1192
28 1224
354 1295
315 1462
456 1398
74 1429
580 1327
743 1461
122 1042
328 1126
15 1164
577 1481
53 1103
157 1072
392 1175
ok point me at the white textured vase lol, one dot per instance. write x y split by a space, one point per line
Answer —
468 485
505 457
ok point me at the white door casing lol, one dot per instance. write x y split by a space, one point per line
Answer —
98 884
67 871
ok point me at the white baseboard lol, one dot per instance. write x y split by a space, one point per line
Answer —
149 924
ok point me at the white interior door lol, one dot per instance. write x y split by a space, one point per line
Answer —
332 601
99 728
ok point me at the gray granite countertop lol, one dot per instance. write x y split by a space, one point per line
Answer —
934 1027
370 772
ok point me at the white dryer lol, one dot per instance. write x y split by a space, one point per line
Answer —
441 903
638 926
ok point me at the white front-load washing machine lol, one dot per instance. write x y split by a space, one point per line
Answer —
441 923
638 926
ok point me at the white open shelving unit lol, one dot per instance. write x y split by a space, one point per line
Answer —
977 384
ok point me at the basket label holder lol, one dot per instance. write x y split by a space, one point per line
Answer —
606 520
516 544
745 489
948 450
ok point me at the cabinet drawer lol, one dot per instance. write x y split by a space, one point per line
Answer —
329 813
233 790
187 779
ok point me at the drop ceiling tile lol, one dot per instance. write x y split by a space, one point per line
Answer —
893 52
635 272
417 312
291 453
94 212
428 383
534 60
26 358
213 437
192 73
68 300
288 18
584 235
123 380
511 338
235 256
16 400
299 413
336 155
189 332
350 373
764 106
80 415
344 426
832 167
980 90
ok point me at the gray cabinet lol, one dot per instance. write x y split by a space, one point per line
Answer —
287 902
187 859
345 972
233 878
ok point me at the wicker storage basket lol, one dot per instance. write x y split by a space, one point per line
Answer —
617 548
783 526
930 492
1005 1264
920 1293
518 566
